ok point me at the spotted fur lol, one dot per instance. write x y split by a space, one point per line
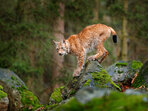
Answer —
90 38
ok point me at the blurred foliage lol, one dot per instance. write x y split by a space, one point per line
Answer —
26 31
113 102
137 16
25 37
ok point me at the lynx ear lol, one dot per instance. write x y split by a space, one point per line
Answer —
54 42
63 41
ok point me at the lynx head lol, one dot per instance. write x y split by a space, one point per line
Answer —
62 47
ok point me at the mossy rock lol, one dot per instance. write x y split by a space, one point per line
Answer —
142 78
4 101
96 76
111 101
93 75
122 71
56 96
28 99
2 93
20 98
10 81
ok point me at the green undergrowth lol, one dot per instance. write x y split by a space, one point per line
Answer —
2 93
116 101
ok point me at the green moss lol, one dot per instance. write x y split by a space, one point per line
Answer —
120 71
73 91
2 93
87 83
136 65
102 78
1 87
74 80
56 95
71 105
138 82
13 77
49 107
121 64
114 102
140 78
28 99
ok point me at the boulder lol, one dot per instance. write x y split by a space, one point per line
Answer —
93 75
124 72
20 98
10 81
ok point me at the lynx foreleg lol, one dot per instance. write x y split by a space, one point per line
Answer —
80 63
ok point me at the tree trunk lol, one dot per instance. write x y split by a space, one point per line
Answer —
59 35
96 11
124 50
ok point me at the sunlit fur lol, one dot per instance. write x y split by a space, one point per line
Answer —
90 38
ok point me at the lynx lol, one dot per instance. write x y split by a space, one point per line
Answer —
90 38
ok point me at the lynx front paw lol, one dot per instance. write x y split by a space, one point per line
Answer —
99 61
91 58
76 72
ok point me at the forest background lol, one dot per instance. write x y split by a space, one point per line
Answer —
27 28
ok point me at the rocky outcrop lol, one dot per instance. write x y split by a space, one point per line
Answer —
20 98
124 71
93 75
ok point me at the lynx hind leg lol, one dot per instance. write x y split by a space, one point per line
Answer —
80 63
92 58
104 55
96 56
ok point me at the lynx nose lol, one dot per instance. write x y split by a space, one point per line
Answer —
60 54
